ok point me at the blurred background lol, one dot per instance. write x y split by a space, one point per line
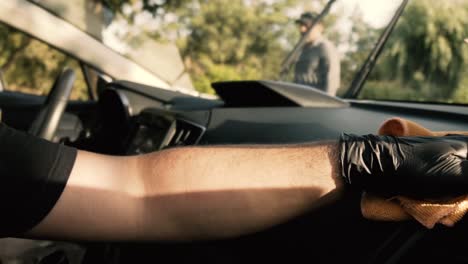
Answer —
425 58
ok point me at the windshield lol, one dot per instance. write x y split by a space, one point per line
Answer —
426 57
236 39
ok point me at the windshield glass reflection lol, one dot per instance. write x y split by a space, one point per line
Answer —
194 43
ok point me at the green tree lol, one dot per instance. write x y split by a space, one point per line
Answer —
241 42
425 58
361 40
148 5
228 39
31 66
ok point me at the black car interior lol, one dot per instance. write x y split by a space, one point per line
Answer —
130 118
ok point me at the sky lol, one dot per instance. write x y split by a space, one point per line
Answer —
375 12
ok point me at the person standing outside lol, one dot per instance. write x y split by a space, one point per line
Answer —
318 64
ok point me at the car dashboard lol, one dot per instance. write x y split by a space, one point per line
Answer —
148 122
155 129
128 123
132 119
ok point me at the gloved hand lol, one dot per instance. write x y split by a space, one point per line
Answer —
420 167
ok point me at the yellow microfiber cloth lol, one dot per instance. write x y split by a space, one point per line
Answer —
400 208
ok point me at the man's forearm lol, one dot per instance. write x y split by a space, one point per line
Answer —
228 191
193 193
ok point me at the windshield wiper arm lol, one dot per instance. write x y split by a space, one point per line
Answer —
293 55
368 65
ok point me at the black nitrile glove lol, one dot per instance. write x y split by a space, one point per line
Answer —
421 167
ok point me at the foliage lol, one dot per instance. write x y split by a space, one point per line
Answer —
242 42
31 66
424 60
362 40
425 56
247 40
147 5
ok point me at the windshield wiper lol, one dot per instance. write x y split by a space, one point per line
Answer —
368 65
294 54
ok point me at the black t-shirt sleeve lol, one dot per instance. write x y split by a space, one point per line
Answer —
33 174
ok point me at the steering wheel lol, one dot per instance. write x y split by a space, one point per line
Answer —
47 120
